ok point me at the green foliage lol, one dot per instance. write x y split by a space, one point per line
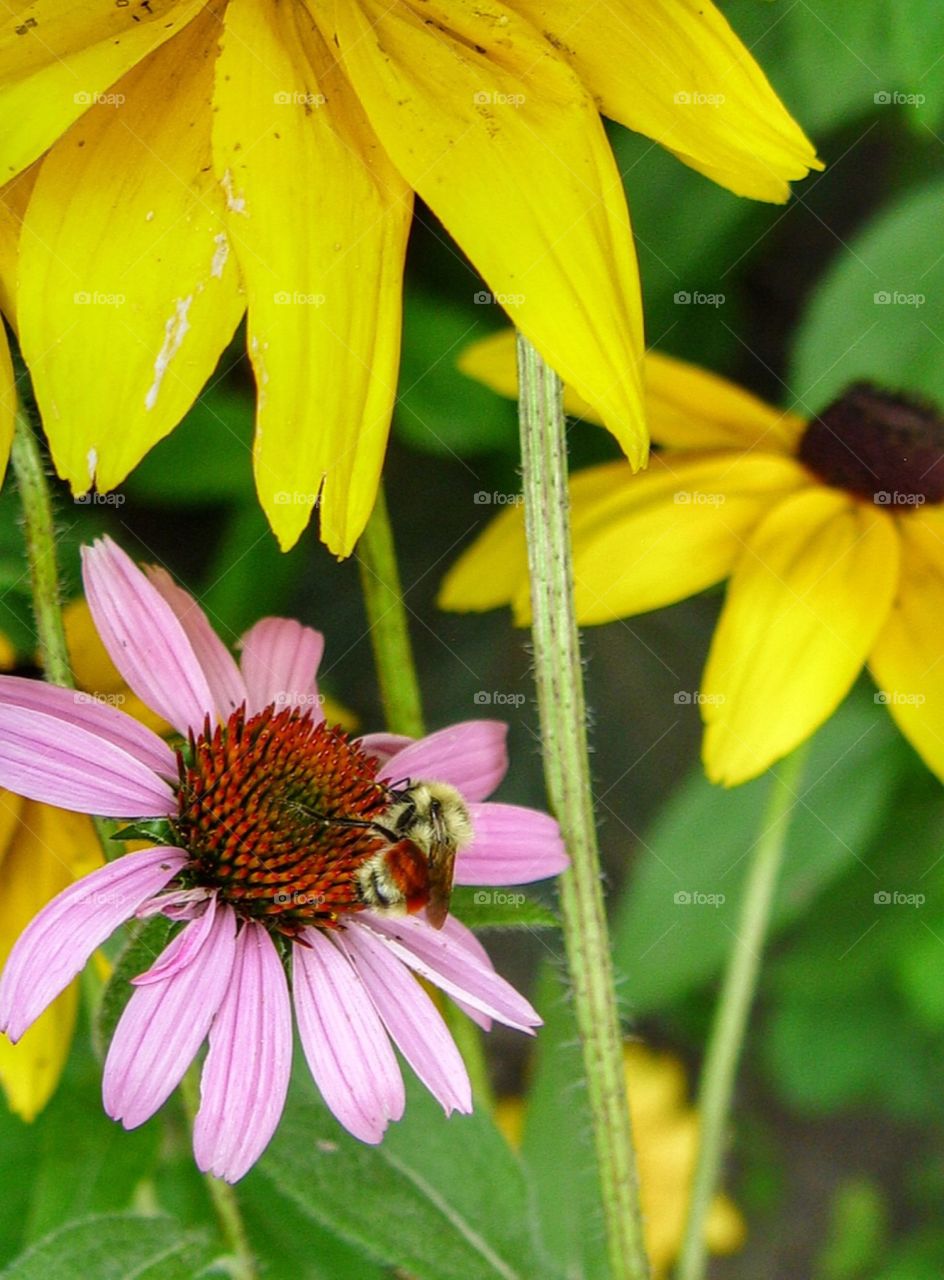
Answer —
116 1247
501 909
144 944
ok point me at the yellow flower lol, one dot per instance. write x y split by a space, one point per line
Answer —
831 531
665 1131
195 159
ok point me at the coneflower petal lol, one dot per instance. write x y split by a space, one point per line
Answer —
470 756
280 661
512 845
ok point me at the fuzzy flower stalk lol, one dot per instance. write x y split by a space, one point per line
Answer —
292 858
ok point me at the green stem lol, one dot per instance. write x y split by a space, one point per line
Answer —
734 1005
222 1195
559 679
28 467
403 711
389 629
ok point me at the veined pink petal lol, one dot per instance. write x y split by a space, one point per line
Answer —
344 1040
512 845
182 950
441 957
246 1073
217 663
57 943
85 710
48 759
280 660
384 745
164 1024
470 756
144 639
411 1018
466 938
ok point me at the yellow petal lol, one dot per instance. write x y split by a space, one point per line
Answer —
690 408
7 404
7 654
811 592
687 406
14 198
675 71
59 57
671 531
906 661
127 291
489 572
319 220
725 1231
499 137
48 850
11 807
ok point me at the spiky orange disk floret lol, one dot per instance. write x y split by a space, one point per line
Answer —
266 807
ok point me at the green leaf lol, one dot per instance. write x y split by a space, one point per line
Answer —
500 909
115 1247
876 314
675 924
145 944
155 830
558 1143
440 1199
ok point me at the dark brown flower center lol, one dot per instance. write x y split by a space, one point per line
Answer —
884 447
275 811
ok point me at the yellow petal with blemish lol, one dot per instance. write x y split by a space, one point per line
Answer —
127 288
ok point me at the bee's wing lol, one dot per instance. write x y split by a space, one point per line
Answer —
442 865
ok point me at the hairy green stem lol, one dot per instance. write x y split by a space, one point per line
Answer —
559 679
403 711
222 1196
733 1011
27 462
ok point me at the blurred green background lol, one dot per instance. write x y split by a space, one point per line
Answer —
837 1153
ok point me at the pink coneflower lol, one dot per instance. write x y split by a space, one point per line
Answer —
270 814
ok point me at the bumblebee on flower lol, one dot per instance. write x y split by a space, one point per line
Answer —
254 879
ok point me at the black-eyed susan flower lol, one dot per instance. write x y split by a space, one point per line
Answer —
193 160
272 816
665 1135
831 532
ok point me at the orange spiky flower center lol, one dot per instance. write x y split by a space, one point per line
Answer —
275 811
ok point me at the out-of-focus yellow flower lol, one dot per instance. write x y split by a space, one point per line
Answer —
665 1131
831 531
195 159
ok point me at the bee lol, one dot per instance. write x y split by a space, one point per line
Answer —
426 825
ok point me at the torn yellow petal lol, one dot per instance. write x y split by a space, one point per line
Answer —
14 198
811 592
128 291
671 531
503 142
57 57
319 219
691 408
95 672
7 403
675 71
906 661
49 849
